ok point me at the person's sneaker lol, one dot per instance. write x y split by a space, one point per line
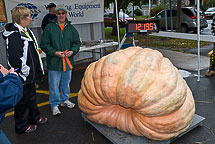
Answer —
31 128
42 120
68 104
55 111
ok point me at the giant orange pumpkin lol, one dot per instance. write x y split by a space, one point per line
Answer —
138 91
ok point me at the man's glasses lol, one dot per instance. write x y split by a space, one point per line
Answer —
61 13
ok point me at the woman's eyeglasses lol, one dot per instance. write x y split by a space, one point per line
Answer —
61 13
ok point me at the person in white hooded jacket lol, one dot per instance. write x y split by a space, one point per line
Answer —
23 55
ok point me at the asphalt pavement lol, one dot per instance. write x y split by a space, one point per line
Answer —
70 128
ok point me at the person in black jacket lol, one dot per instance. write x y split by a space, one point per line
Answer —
23 55
50 16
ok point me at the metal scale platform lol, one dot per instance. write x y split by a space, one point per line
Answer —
120 137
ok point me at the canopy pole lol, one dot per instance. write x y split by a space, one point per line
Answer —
117 21
198 37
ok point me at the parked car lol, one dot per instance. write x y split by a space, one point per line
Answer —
188 19
123 18
210 12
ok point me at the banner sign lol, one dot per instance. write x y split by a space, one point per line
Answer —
78 11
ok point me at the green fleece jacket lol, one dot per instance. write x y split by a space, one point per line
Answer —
54 39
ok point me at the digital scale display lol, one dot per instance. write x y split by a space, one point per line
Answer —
142 26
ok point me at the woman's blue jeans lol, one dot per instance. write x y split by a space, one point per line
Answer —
59 80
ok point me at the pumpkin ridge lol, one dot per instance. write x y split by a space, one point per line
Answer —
156 79
149 104
149 70
91 88
130 125
88 96
146 131
123 69
92 99
129 65
97 73
111 76
156 105
108 60
170 121
142 93
156 133
84 106
85 92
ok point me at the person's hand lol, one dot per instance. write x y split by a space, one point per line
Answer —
12 71
59 54
3 70
68 53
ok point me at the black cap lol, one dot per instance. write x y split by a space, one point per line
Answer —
51 5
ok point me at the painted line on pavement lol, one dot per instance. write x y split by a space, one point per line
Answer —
44 103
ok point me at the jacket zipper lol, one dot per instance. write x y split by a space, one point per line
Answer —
63 30
33 66
32 60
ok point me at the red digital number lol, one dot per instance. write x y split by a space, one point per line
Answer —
144 26
151 27
147 26
138 26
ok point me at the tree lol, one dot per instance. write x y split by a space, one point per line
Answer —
150 8
178 25
210 3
